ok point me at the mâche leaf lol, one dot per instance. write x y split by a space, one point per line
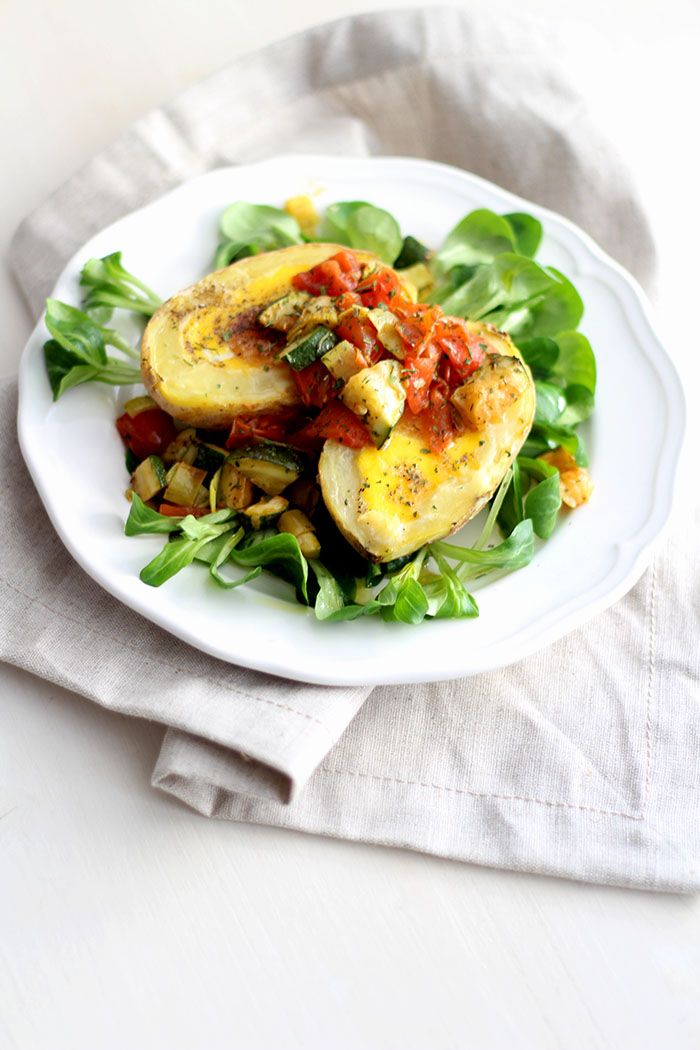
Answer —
514 552
542 505
527 232
551 402
330 598
109 285
479 237
280 554
541 354
501 290
362 225
575 364
248 229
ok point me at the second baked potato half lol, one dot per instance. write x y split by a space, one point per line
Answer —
390 501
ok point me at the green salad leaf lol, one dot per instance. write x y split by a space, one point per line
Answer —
109 285
77 352
362 225
527 232
247 229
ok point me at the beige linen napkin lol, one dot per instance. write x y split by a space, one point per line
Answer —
581 761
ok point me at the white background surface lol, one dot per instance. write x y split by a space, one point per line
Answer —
125 920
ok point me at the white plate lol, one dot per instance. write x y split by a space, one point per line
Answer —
596 554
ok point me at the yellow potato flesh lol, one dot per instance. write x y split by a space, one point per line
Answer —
204 357
389 502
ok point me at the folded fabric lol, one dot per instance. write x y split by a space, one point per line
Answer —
581 761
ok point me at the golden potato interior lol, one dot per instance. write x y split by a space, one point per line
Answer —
390 501
204 357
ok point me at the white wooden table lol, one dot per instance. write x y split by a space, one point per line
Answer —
127 921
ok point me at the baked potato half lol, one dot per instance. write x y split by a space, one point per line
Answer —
390 501
204 357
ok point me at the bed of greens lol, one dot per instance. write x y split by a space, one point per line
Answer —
485 270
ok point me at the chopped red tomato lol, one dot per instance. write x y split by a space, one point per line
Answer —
260 428
436 422
315 384
411 333
420 314
346 301
335 421
147 434
446 371
331 277
174 511
417 325
361 333
464 349
379 288
417 375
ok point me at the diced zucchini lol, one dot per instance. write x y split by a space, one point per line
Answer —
360 312
148 478
309 348
385 322
139 404
209 457
297 524
266 511
271 467
412 252
202 497
183 448
319 310
184 484
375 395
131 461
283 313
344 360
233 489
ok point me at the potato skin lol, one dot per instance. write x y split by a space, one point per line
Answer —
389 502
204 357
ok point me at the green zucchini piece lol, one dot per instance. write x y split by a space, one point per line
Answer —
183 448
136 405
342 360
387 332
376 395
148 478
266 511
308 348
283 313
131 460
209 457
184 484
412 251
234 490
270 467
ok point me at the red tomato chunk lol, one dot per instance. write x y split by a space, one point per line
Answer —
332 277
147 434
337 422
